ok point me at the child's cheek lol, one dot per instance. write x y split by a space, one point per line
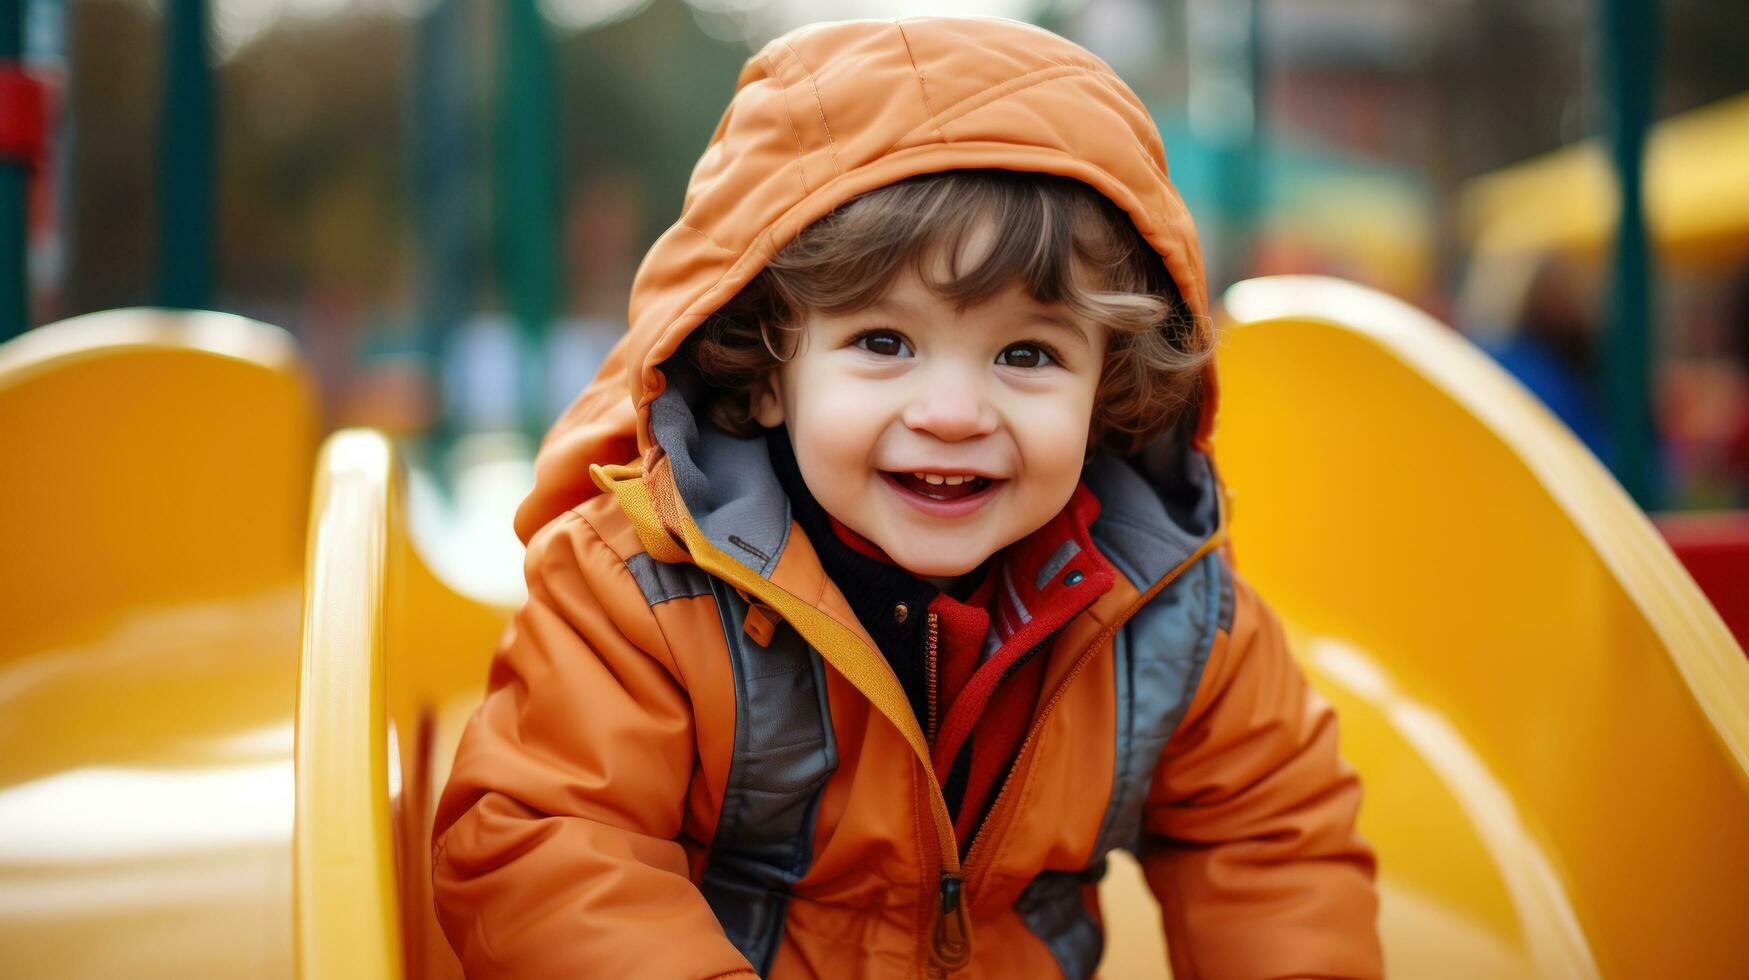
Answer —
1052 432
836 423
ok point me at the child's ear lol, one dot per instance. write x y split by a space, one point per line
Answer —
765 402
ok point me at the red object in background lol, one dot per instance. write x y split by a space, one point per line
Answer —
1715 549
22 116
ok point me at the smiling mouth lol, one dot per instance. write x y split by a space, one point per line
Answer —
941 491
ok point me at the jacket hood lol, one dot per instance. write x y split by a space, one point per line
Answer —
827 112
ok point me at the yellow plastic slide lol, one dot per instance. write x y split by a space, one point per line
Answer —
1552 724
154 474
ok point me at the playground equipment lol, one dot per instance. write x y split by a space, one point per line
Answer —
393 663
154 494
1697 201
1552 723
1553 726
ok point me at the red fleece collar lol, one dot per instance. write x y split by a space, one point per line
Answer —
1043 581
1033 588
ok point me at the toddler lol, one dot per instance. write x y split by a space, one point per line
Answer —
876 586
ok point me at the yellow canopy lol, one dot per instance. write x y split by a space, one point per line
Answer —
1697 194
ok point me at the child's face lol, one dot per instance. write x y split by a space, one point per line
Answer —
908 386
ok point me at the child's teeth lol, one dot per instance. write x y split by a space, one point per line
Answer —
935 479
954 481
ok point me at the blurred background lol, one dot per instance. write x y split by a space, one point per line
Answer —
445 200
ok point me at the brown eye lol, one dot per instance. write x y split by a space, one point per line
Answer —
1024 356
885 343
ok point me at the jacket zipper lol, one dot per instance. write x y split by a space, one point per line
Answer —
953 918
929 673
952 941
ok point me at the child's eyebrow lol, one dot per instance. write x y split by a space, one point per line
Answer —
1029 313
1066 324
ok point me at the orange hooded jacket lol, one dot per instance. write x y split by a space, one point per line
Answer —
693 761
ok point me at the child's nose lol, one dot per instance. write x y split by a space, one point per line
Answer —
950 410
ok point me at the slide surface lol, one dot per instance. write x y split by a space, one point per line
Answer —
152 505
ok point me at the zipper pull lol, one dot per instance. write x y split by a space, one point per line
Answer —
760 620
759 624
952 947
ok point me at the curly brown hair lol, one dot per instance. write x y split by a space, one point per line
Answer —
1062 240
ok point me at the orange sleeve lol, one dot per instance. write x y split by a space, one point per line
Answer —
555 846
1249 840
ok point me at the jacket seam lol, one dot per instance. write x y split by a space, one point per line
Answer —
1118 90
924 918
970 103
1084 65
700 232
1198 671
554 526
922 86
813 83
1220 644
668 656
783 94
1056 70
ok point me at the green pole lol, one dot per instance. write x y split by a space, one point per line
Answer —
1630 57
14 186
527 195
185 160
445 206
